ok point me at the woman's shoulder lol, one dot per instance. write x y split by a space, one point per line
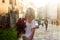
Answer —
33 20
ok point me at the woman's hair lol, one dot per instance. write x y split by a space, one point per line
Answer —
31 13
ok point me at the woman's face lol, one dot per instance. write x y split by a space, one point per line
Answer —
28 16
27 13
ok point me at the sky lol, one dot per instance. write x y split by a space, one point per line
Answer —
40 3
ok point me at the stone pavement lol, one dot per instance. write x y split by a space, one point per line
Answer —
53 33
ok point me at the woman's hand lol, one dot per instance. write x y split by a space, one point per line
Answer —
25 38
32 34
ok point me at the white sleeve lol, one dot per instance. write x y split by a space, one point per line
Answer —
33 24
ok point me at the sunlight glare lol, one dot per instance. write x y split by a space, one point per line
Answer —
40 3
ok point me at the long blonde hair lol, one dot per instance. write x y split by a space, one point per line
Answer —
30 13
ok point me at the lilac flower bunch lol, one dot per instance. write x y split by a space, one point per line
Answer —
21 25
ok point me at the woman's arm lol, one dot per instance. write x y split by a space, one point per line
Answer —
32 34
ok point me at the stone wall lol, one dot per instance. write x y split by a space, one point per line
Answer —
58 13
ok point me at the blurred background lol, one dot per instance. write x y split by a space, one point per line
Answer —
44 9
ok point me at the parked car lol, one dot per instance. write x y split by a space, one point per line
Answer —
36 24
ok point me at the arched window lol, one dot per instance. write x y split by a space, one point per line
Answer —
3 1
10 1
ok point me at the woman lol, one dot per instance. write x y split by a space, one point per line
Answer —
30 24
46 24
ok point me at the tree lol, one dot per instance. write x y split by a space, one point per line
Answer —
39 16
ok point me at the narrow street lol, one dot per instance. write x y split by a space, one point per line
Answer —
52 33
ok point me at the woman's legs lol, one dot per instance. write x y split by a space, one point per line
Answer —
46 26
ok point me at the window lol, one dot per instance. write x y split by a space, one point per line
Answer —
3 1
10 1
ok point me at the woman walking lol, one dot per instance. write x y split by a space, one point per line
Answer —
30 24
46 24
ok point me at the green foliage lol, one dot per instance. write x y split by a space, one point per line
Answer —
8 34
39 16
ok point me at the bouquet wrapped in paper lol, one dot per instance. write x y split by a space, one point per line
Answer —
21 25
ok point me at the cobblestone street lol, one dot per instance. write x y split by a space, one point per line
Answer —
52 33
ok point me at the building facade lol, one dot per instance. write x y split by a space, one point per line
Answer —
10 7
4 4
58 13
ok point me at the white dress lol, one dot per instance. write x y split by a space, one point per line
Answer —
29 27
